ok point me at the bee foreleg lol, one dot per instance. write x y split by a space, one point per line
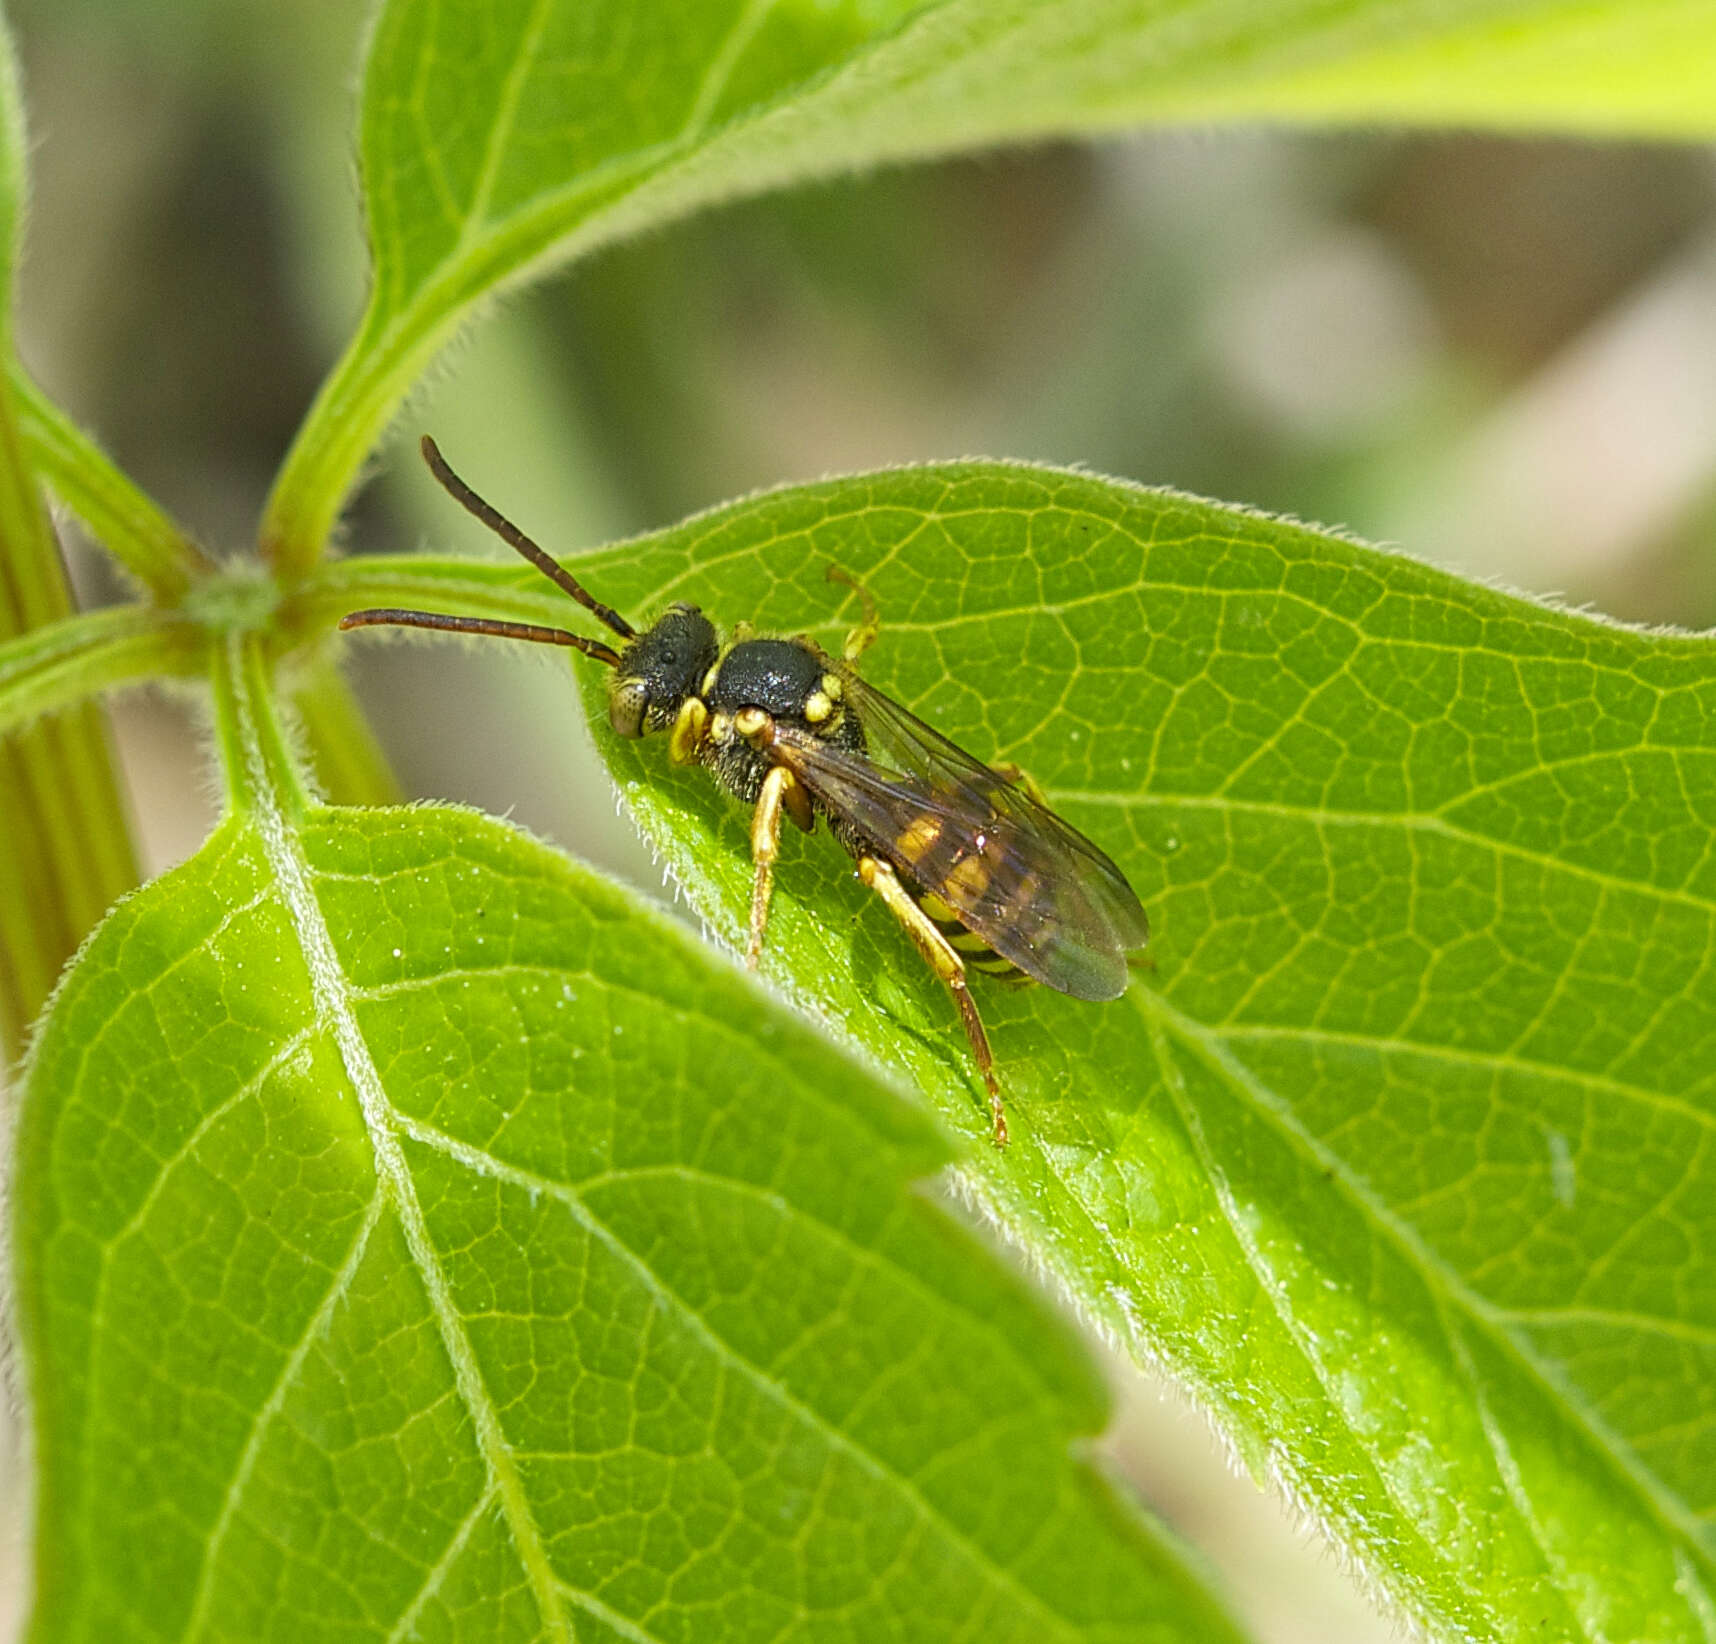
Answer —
686 738
781 792
940 956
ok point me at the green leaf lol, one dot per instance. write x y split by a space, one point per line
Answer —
1401 1157
414 1237
501 135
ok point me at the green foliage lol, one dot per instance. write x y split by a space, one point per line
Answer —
498 137
1399 1157
515 1266
412 1235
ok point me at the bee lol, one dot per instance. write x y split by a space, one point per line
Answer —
977 870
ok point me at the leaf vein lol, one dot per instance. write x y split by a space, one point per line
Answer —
272 1406
1674 1514
506 110
1508 1471
722 63
436 1573
863 1255
1620 1318
1321 816
1465 1055
1268 1283
183 1151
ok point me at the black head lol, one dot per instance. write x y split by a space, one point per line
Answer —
653 675
659 670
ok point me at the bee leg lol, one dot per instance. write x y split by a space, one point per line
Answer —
1019 777
780 793
940 956
864 635
686 738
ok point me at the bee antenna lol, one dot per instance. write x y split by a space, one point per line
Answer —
392 617
510 534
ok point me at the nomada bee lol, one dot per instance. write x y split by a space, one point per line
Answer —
978 871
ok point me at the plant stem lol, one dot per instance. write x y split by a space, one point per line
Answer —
123 518
61 663
256 756
68 852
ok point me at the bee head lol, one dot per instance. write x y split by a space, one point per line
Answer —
659 670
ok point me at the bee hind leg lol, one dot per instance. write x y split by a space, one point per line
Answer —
939 955
1019 777
864 635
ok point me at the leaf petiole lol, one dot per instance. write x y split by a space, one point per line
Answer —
70 660
122 517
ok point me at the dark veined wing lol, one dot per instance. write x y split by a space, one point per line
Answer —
1031 885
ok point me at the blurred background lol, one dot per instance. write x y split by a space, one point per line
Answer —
1497 355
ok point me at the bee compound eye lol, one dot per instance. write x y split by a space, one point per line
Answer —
627 700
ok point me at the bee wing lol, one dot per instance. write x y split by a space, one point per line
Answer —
1032 886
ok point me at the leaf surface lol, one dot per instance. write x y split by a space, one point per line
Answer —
500 135
417 1239
1401 1154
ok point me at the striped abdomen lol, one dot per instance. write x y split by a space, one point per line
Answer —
972 948
966 881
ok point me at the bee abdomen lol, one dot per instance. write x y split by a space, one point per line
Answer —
977 953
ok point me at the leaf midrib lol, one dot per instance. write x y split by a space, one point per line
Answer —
484 1163
332 997
714 1027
